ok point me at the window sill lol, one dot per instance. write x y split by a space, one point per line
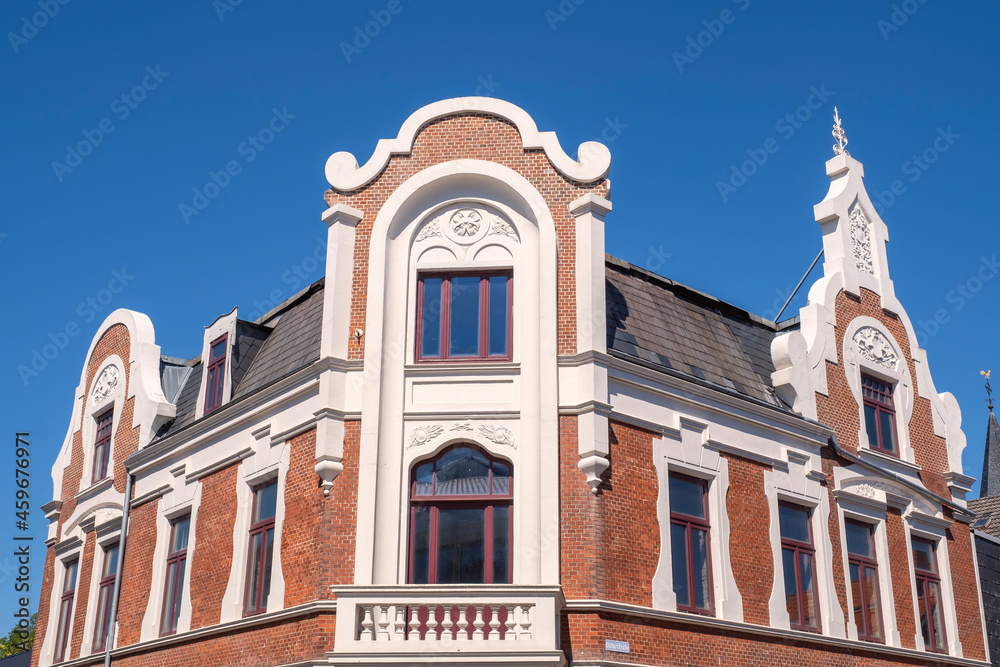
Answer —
888 461
449 367
95 489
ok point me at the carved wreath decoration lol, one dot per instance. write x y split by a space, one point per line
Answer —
106 383
501 435
874 347
466 222
424 434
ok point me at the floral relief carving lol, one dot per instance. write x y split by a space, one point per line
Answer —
466 222
873 346
422 435
432 228
866 490
106 383
501 435
861 239
461 426
501 228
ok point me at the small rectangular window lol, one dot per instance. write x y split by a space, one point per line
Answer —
107 586
66 610
216 374
261 550
689 543
464 317
880 415
176 564
102 446
864 580
798 558
929 604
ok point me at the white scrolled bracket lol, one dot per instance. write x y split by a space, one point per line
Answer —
593 467
328 469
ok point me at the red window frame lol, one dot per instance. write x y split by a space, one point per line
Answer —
445 317
105 591
215 379
861 593
487 502
102 445
927 577
692 522
66 609
255 601
176 564
877 395
797 548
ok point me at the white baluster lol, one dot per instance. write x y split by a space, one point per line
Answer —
463 621
510 635
432 623
382 634
525 633
446 625
367 623
478 623
399 627
494 623
414 624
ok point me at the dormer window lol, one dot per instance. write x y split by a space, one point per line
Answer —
102 446
216 374
880 415
464 317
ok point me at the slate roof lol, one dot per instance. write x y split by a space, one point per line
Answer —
987 508
22 659
668 326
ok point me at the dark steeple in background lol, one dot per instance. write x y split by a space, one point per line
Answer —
990 481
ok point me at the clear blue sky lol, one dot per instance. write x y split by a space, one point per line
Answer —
675 126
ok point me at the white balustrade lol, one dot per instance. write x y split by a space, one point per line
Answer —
377 619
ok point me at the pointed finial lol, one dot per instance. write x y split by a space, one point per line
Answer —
840 148
989 391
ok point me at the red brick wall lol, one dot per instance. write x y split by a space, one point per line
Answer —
749 538
137 572
473 136
43 604
578 518
212 559
80 604
899 565
965 585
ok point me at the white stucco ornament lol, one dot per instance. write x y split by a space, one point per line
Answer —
106 383
501 435
423 435
461 426
430 230
501 228
466 222
873 346
861 239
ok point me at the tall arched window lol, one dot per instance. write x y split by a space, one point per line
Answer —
460 519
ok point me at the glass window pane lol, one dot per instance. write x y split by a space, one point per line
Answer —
699 560
809 610
167 622
498 316
794 523
679 558
857 596
871 603
425 480
461 542
687 496
69 583
218 350
463 330
268 556
462 471
110 560
430 327
102 609
501 544
888 431
923 556
871 426
859 540
922 606
64 610
267 499
253 577
791 585
421 544
179 534
937 621
501 479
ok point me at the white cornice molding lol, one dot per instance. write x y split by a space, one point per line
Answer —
593 163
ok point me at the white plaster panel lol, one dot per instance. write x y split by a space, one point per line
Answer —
469 394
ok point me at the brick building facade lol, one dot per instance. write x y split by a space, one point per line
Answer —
481 440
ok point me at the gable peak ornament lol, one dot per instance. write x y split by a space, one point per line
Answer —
875 347
106 383
839 148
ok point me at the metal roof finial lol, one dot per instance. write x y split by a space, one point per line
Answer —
989 391
840 148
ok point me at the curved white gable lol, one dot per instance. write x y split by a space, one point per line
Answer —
343 172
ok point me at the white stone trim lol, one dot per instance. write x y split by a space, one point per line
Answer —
594 159
916 526
92 410
47 649
94 586
224 325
